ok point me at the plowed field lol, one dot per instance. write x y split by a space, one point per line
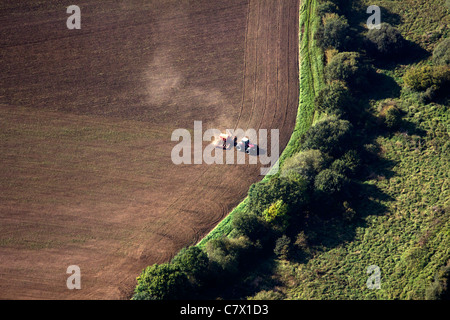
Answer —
86 118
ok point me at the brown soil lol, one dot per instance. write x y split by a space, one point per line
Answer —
86 120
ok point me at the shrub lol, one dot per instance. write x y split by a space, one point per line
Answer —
250 225
306 163
441 54
231 254
332 136
421 78
277 215
348 67
263 194
162 282
393 117
334 33
326 7
386 42
301 241
283 247
335 98
193 262
329 182
267 295
348 164
439 289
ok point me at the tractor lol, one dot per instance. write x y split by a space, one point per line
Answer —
245 146
226 141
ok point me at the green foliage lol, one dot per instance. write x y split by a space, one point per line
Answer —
277 215
231 254
334 99
329 182
306 163
332 136
250 225
162 282
263 194
283 247
386 42
335 33
439 289
326 7
393 117
441 54
348 67
193 262
348 165
267 295
421 78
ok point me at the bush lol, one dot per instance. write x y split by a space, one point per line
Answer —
277 215
326 7
422 78
329 182
441 54
331 136
162 282
348 67
393 117
283 247
305 163
193 262
334 33
439 289
334 99
301 241
250 225
262 194
348 164
231 255
267 295
386 42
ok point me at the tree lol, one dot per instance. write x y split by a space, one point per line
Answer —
326 7
334 33
329 182
194 262
306 163
348 67
334 99
392 117
162 282
424 77
277 215
332 136
386 42
231 254
283 247
293 192
250 225
441 54
348 164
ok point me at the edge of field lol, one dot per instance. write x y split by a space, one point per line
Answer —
310 80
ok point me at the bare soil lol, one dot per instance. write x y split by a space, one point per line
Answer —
86 118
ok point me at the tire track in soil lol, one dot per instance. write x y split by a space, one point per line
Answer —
256 39
216 189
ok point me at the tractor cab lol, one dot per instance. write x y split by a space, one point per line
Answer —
245 146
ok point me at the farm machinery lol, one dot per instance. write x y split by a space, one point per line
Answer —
226 141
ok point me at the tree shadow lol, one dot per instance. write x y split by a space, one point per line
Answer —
381 86
410 54
390 17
